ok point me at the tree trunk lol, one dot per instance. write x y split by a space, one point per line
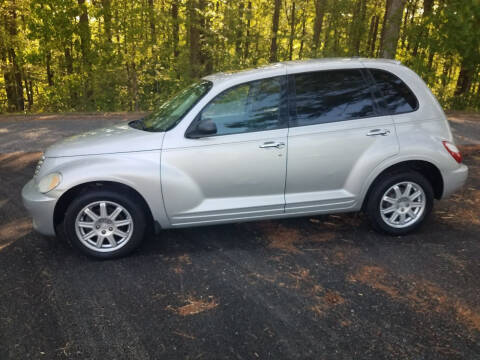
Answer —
427 7
405 25
151 20
12 74
6 77
430 59
194 38
464 80
69 69
446 69
175 27
292 32
336 41
239 30
17 78
84 32
362 26
357 29
117 33
375 35
447 63
133 86
199 39
320 6
107 19
85 40
257 41
412 22
304 31
247 37
275 21
388 4
206 42
28 90
68 61
10 89
372 35
391 28
427 11
328 20
48 60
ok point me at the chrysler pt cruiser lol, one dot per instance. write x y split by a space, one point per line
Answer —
289 139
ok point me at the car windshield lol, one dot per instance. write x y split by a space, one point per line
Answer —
172 111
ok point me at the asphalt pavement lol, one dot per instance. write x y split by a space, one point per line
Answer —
323 287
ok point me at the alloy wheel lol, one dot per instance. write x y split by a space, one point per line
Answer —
104 226
403 204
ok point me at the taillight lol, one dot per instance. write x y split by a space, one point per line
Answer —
453 150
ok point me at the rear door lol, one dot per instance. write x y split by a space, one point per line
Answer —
337 136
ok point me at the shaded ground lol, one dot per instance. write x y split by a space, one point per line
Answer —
319 287
36 132
465 127
18 133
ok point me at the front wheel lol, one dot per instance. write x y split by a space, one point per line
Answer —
399 203
105 224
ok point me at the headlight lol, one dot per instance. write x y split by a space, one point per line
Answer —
49 182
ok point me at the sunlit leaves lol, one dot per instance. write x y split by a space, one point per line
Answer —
135 61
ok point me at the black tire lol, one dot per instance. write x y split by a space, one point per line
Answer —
127 201
380 187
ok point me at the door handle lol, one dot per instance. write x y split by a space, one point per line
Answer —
272 144
375 132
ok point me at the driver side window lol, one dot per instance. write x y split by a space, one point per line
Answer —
253 106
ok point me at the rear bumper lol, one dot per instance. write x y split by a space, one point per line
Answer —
454 180
41 207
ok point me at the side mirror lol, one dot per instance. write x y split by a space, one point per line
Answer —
203 128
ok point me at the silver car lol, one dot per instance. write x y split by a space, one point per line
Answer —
290 139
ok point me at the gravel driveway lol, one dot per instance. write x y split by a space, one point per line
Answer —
323 287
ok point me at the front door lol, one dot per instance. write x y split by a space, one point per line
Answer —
239 171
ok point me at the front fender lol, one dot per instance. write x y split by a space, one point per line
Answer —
138 170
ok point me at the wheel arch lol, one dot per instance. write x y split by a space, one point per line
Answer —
426 168
67 197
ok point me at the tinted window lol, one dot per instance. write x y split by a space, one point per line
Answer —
329 96
393 93
253 106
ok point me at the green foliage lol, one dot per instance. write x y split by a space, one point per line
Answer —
109 55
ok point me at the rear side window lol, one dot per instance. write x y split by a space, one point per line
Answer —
393 93
330 96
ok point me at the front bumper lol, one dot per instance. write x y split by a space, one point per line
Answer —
454 180
41 208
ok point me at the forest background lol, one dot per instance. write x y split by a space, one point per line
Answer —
117 55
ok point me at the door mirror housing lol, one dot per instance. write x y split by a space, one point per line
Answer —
203 128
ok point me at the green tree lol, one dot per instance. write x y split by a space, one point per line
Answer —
76 55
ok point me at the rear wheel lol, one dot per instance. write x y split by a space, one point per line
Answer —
105 224
400 202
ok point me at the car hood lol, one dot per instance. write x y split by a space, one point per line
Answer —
114 139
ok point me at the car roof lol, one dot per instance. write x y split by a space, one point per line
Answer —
281 68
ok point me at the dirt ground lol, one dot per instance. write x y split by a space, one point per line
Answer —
323 287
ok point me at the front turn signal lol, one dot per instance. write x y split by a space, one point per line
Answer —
49 182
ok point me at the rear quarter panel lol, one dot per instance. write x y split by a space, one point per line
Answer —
420 133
